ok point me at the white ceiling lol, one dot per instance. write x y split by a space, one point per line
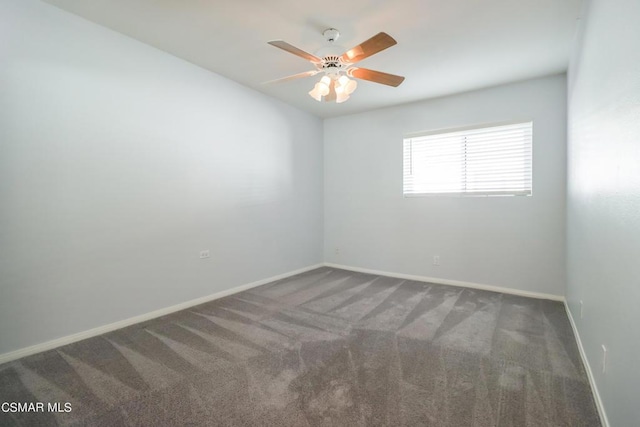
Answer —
444 46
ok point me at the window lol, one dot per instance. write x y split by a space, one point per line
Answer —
487 161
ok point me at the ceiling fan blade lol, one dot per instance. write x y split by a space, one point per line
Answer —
375 76
375 44
292 49
293 77
331 96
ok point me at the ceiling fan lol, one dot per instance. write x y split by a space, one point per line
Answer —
337 65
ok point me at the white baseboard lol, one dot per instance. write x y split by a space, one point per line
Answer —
587 366
449 282
58 342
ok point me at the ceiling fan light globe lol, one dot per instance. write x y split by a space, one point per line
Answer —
325 80
322 88
351 86
341 97
347 85
315 93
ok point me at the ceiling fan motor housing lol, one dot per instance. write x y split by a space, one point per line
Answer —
331 64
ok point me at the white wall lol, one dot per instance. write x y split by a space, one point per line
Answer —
514 242
603 222
119 163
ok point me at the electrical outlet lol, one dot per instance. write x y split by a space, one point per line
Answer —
581 309
205 254
337 251
604 359
436 260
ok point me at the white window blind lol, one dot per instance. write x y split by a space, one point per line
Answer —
484 161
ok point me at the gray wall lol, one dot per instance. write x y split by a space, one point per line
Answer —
604 201
119 163
514 242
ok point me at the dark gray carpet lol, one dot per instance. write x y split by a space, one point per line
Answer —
327 347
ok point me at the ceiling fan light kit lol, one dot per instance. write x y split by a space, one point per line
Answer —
335 84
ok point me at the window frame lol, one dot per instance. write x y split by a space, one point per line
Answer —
443 131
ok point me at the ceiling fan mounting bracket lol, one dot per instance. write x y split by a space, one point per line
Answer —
331 34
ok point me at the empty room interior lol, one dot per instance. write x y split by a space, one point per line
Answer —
281 213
